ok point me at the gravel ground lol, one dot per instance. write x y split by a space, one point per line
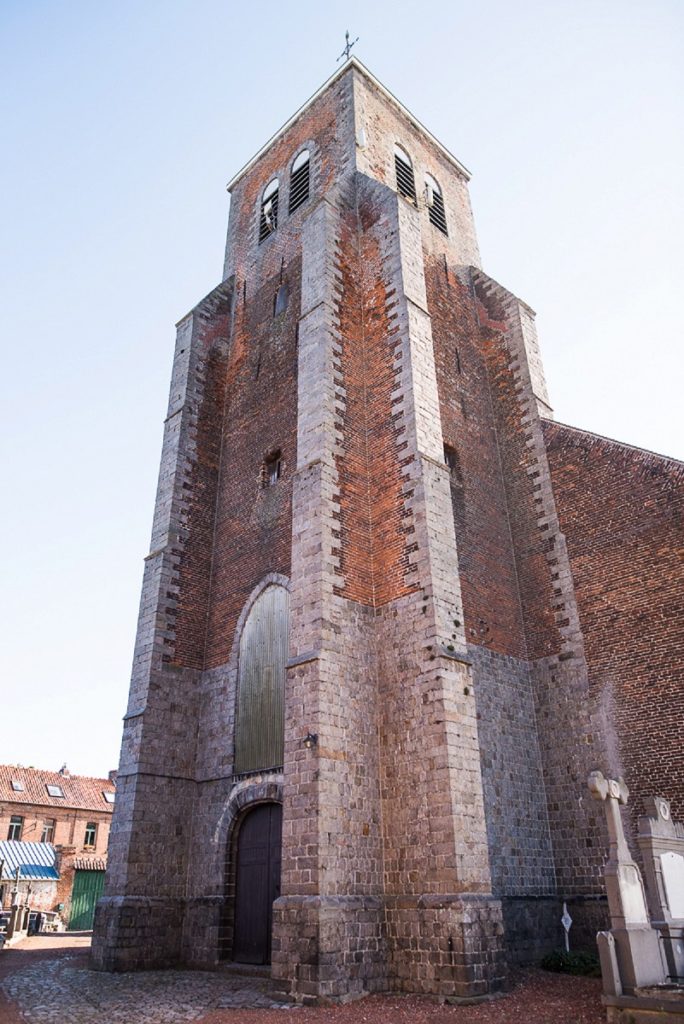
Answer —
46 980
537 997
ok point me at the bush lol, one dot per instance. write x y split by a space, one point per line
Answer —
579 962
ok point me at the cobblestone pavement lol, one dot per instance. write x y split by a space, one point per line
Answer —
65 991
46 980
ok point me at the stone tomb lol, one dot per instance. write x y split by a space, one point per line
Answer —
661 841
638 986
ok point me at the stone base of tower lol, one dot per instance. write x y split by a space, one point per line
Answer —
137 933
329 948
446 945
341 948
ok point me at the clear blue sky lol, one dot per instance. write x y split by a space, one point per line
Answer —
122 123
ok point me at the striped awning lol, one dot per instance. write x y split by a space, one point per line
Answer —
35 861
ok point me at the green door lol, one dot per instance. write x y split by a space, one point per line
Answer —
88 886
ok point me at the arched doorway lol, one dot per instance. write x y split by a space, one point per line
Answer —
257 882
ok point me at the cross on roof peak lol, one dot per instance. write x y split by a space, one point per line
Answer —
347 50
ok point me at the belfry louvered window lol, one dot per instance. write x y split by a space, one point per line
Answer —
268 220
260 724
299 181
406 182
435 204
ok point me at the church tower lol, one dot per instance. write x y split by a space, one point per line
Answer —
356 722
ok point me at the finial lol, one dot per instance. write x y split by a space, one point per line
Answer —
347 50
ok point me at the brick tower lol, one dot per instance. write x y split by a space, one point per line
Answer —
358 605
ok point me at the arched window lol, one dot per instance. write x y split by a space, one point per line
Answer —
299 181
406 183
435 204
268 220
260 723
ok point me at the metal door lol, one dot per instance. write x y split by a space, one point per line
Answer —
88 887
257 883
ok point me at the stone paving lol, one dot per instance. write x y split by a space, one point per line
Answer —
56 991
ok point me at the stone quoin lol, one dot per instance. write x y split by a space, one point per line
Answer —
392 615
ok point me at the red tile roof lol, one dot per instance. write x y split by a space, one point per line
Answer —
79 790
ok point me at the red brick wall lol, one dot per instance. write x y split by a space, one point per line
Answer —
491 602
190 614
69 829
253 526
374 555
239 530
621 511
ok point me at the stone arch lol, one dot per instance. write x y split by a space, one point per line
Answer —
246 795
268 580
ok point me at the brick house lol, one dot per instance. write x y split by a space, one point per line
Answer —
392 615
42 811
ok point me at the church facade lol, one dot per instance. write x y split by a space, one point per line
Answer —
393 614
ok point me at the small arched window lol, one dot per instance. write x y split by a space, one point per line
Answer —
406 183
435 204
268 220
299 181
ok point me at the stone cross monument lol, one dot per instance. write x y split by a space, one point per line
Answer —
630 953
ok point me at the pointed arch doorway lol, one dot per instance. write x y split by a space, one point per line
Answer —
257 882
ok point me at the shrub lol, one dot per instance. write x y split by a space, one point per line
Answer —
579 962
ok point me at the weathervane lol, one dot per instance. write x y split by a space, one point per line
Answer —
347 50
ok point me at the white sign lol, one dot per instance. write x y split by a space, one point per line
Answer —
566 921
673 880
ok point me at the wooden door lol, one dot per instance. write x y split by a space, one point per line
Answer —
257 883
88 887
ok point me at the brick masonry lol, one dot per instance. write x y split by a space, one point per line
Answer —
626 564
437 642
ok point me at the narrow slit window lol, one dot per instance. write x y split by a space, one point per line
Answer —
406 182
280 300
272 469
299 181
454 463
268 220
435 204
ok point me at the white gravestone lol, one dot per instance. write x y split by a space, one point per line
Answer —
673 880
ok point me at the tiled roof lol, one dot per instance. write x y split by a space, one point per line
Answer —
35 861
79 790
90 863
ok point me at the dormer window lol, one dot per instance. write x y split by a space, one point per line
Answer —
406 182
299 181
268 221
435 204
